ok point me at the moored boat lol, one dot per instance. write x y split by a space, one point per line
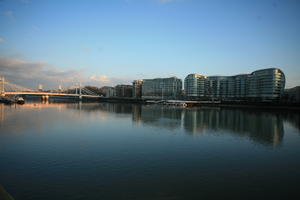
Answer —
20 100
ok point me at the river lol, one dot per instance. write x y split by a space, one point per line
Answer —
126 151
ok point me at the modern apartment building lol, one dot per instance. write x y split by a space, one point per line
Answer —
137 88
265 84
162 88
124 90
108 91
194 86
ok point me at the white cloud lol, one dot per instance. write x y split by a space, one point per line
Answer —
29 74
101 78
105 80
1 39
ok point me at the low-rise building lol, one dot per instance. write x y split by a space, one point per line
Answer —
292 95
124 90
108 91
162 88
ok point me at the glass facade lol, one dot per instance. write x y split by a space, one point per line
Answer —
124 90
265 84
194 86
162 88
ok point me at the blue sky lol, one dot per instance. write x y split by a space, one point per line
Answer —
106 42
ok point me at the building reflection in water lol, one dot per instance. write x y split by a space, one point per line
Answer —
159 116
265 127
1 114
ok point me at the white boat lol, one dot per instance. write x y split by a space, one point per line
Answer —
20 100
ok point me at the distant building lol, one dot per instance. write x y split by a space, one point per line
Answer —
60 88
108 91
40 87
162 88
137 88
292 95
260 85
111 92
124 90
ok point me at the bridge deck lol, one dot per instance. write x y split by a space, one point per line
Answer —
48 94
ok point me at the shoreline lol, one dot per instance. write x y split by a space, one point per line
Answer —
249 106
257 105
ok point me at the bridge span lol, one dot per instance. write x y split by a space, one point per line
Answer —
50 94
11 89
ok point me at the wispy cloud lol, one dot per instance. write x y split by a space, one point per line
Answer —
25 1
86 48
9 14
2 40
165 1
30 74
35 28
108 81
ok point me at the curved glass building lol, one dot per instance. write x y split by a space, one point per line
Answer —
261 85
266 83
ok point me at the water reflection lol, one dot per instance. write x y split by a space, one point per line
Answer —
261 126
264 127
159 116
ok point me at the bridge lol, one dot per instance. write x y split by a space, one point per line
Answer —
8 88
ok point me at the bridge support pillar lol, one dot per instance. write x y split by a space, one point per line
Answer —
45 98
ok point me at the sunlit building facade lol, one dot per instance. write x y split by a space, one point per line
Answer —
260 85
194 86
137 88
266 83
162 88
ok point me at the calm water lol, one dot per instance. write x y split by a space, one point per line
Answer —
123 151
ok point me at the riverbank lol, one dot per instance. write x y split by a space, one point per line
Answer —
253 106
256 105
220 104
